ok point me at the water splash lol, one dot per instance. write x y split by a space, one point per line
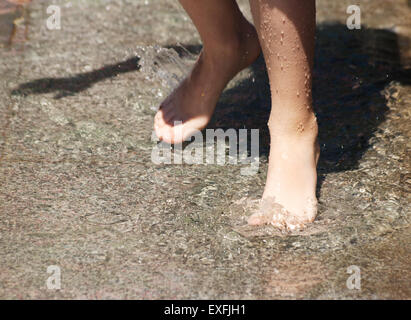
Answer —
163 64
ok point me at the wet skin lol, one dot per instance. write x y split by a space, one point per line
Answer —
285 29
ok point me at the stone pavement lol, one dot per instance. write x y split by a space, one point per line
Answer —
78 188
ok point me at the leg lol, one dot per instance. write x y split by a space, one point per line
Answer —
230 44
286 30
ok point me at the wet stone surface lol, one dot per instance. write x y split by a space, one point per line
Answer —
78 188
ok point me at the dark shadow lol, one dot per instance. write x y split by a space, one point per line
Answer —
71 85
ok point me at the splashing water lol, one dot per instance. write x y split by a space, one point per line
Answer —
164 67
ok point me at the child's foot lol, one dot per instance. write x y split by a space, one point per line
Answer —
289 200
192 103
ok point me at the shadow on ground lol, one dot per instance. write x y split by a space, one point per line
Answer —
69 86
352 68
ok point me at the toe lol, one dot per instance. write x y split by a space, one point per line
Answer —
159 119
255 220
260 218
278 221
167 133
158 130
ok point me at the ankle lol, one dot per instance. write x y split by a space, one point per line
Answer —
298 130
219 51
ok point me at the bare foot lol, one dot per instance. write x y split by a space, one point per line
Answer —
289 200
190 106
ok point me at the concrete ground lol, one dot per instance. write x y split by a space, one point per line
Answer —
78 188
